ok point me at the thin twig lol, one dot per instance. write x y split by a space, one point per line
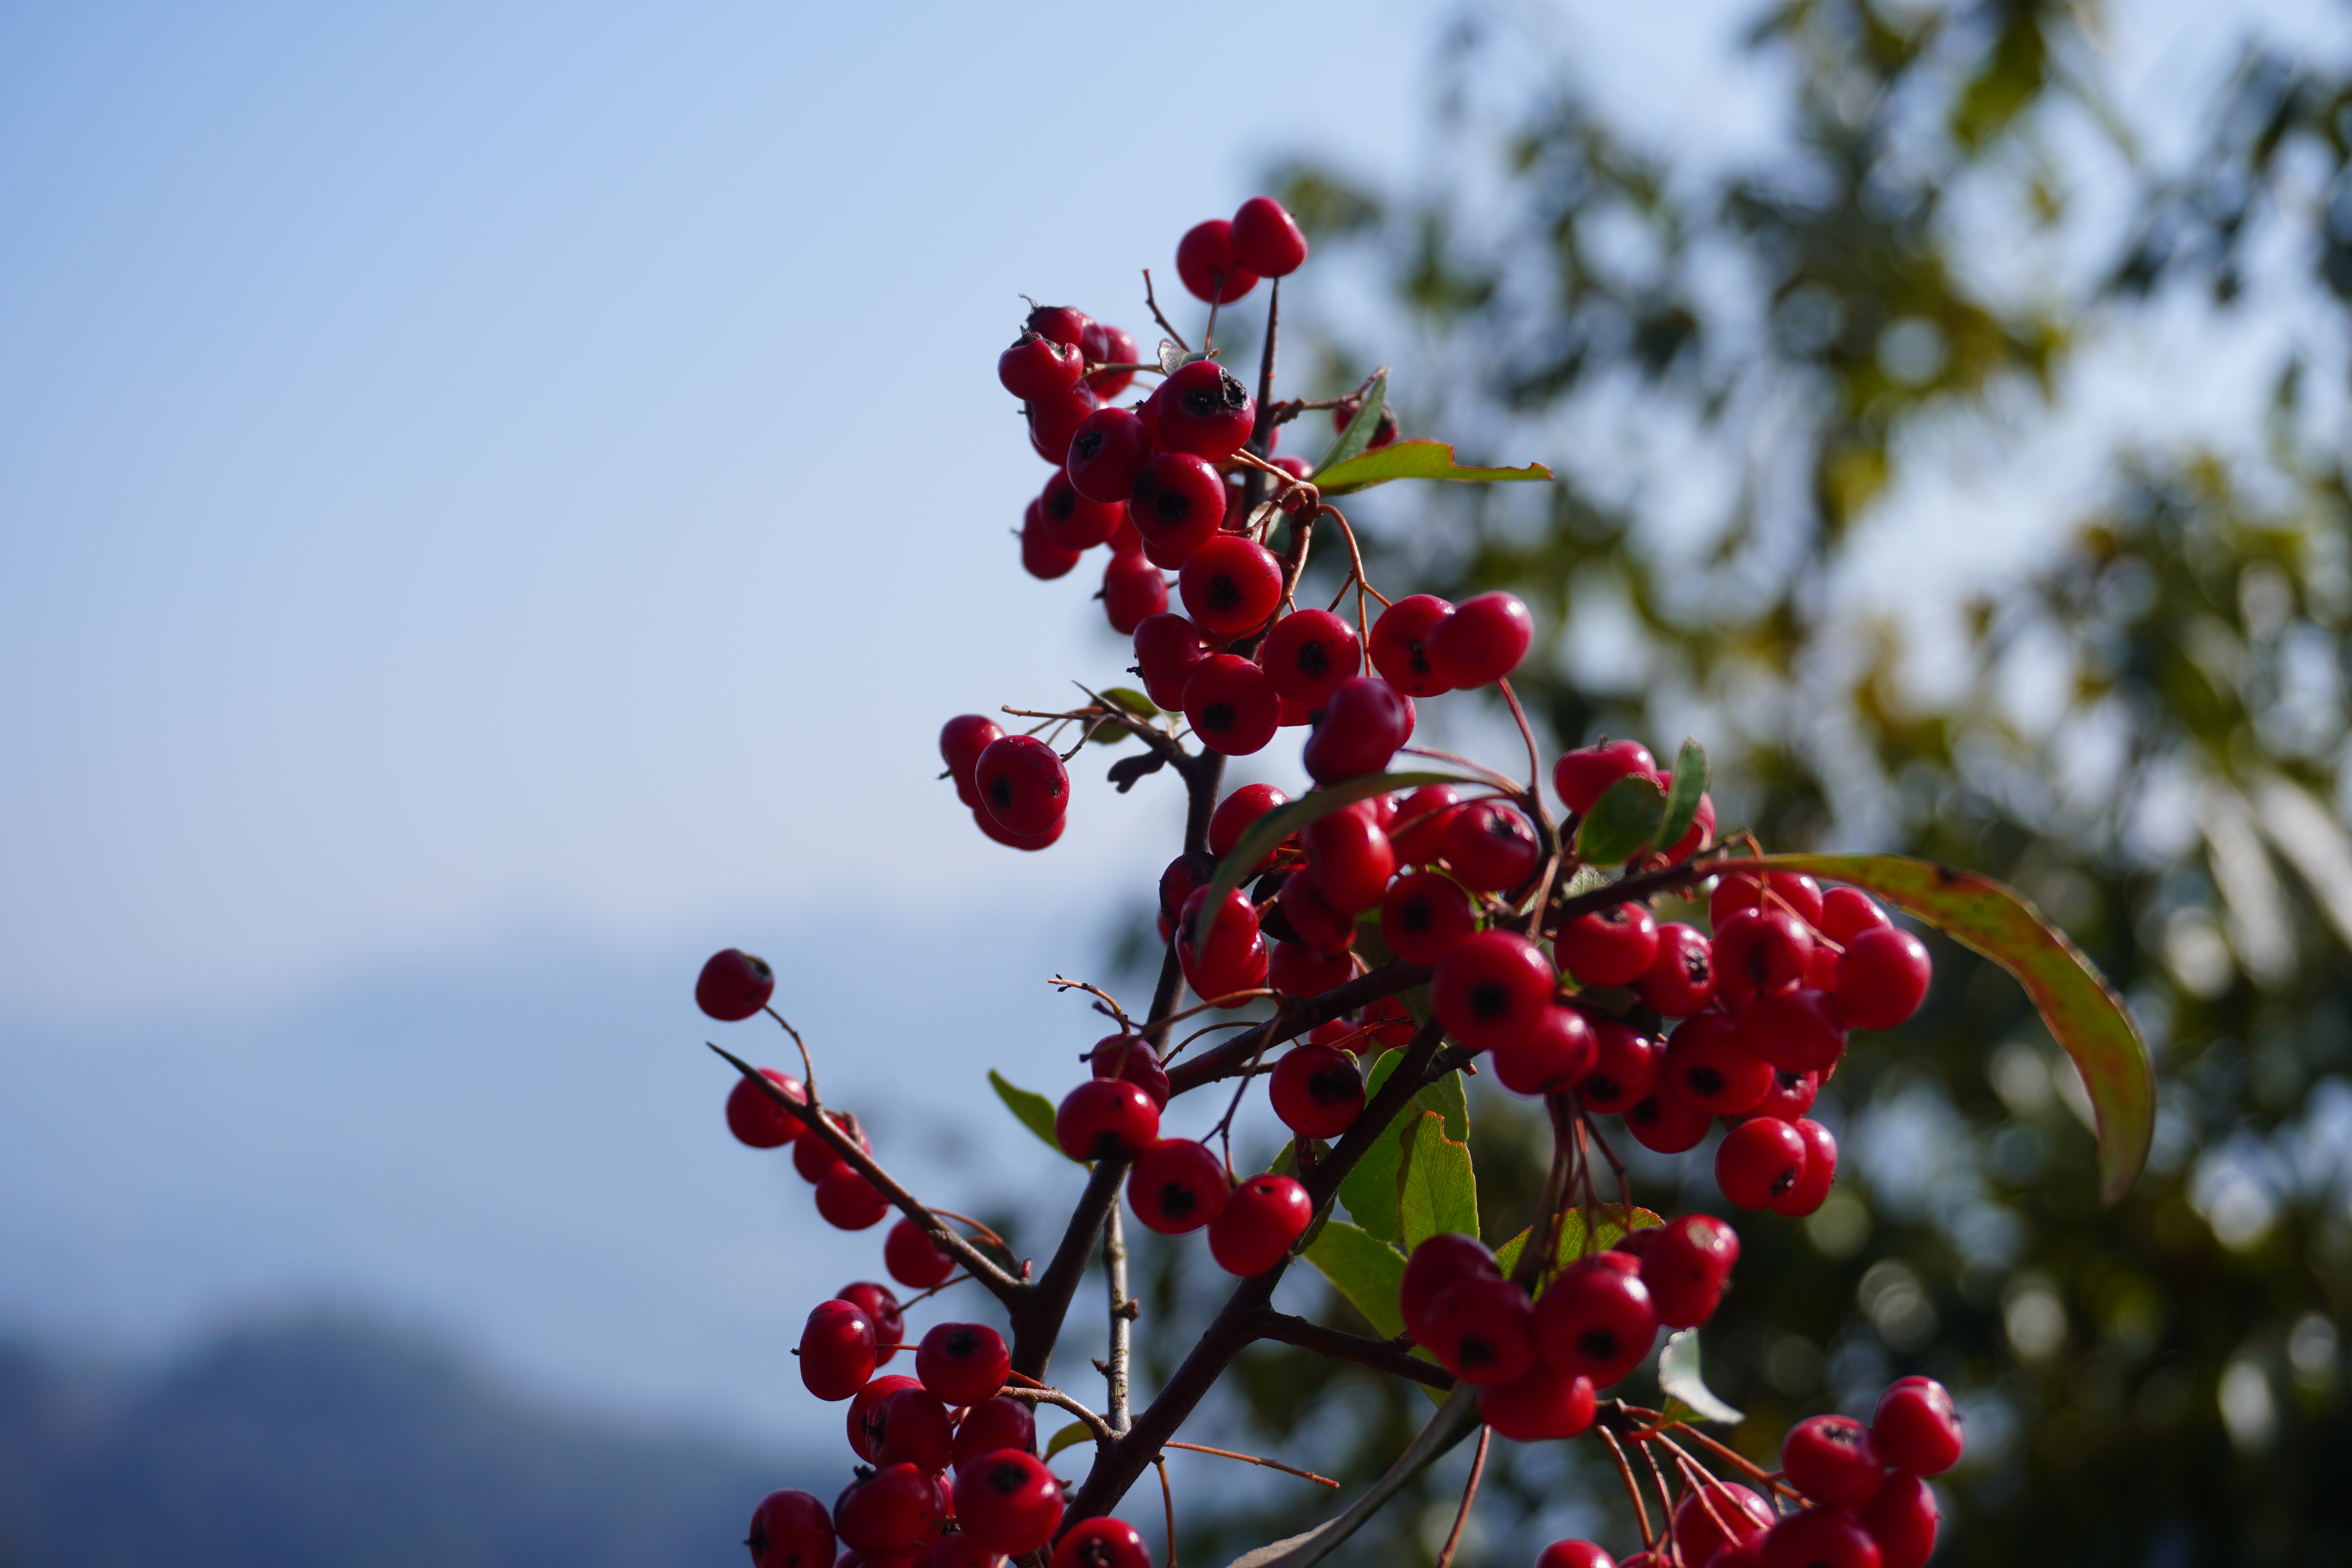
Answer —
1381 1355
1254 1459
1167 1502
1055 1397
1632 1489
1117 1011
1149 298
1462 1515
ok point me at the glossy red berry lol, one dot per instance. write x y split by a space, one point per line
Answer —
755 1117
1308 653
1424 914
1491 846
1483 641
1071 521
1230 584
1317 1090
1701 832
1312 919
1759 951
1295 969
1832 1461
1882 979
1391 1026
1007 1501
1106 1118
1231 705
1556 1054
1108 449
1792 891
1206 261
1106 344
1624 1066
791 1529
1821 1169
912 1429
1233 949
1176 505
1581 777
1902 1516
1177 1187
880 1305
1421 823
1102 1543
991 1425
1612 946
1040 556
1266 240
1686 1267
1439 1263
1399 645
1680 980
1492 987
1022 783
996 830
1537 1406
1129 1056
1717 1515
1791 1094
1665 1124
1362 723
963 1363
1351 859
733 986
1062 323
1596 1322
913 1259
813 1156
1705 1067
1574 1554
836 1350
1481 1329
1847 912
1796 1030
1260 1221
847 1201
1168 648
1035 367
1237 811
1918 1427
1054 420
1760 1160
1205 410
961 740
1132 591
1819 1538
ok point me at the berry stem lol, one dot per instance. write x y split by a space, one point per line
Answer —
1632 1487
1168 1503
1469 1492
1061 1401
1165 326
1254 1459
1294 1020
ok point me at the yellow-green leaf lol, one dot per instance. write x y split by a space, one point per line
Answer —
1365 1269
1070 1436
1412 460
1361 427
1682 801
1437 1188
1034 1111
1608 1227
1621 823
2083 1012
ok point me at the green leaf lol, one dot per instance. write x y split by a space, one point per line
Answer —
1411 460
1279 824
1437 1188
1034 1110
1360 431
1679 1375
1070 1436
1610 1224
2083 1012
1621 823
1365 1269
1369 1189
1682 801
1134 702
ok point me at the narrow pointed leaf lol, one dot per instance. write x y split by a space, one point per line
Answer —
1279 824
1369 1189
1608 1227
1437 1187
1679 1375
2082 1010
1360 431
1412 460
1134 702
1070 1436
1621 823
1365 1269
1034 1111
1682 800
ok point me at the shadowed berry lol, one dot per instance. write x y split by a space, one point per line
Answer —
1795 1030
1236 812
1230 584
1108 448
1062 323
1790 1095
1704 1067
914 1431
1317 1090
1663 1124
1612 946
1129 1058
847 1201
1007 1501
1295 969
1819 1538
1491 846
1206 262
1596 1320
1716 1516
880 1304
867 1422
1022 783
733 986
1680 980
1574 1554
1071 521
1132 591
1011 840
1759 951
1231 705
1482 1330
1557 1054
1422 821
1902 1516
1536 1406
1793 892
1439 1263
1352 859
1106 1118
1362 723
1041 557
913 1259
1624 1066
791 1529
1054 420
1177 1187
1311 917
1102 1543
1177 504
1917 1428
1106 344
1832 1461
991 1425
1168 648
1821 1169
755 1117
1424 914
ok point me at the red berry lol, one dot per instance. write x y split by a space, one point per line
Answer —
1168 648
1040 556
1362 723
879 1304
1716 1516
1308 653
1424 914
1231 705
1205 410
1176 504
1832 1461
1384 429
963 1363
1758 952
1790 1095
1902 1516
1686 1267
1232 950
1819 1538
1131 1057
1557 1054
1390 1025
1226 978
1023 784
836 1350
1581 777
1007 1501
1481 1329
1790 891
1106 344
1102 1543
1436 1266
1492 987
813 1157
755 1117
991 1425
1483 641
1206 261
1132 591
1054 420
1035 368
1317 1090
1663 1124
1574 1554
1266 240
1820 1170
1062 323
913 1259
1705 1067
1177 1187
1536 1406
1230 584
1918 1427
1106 1118
1011 840
1612 946
1312 919
1108 448
1882 979
1624 1066
961 740
1795 1030
1680 980
913 1430
1352 859
791 1529
1398 647
1422 822
1701 832
1490 846
1071 521
1760 1160
1260 1220
1596 1322
1296 970
958 1551
1822 969
847 1201
733 986
1236 812
1847 912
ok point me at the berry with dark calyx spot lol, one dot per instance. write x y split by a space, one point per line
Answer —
1177 1187
1106 1118
1131 1057
1582 777
1106 344
1760 1160
1230 584
1007 1501
1832 1461
1022 783
836 1350
1574 1554
1421 823
1184 876
1385 429
1206 261
1663 1124
1231 705
1352 859
1491 846
1902 1516
1796 1030
1260 1221
950 1550
1439 1263
1231 933
1168 649
1399 645
1612 946
1492 987
1062 323
755 1117
1821 1169
1918 1427
1704 1067
914 1260
1555 1056
1596 1320
1793 892
914 1430
1102 1543
1481 1329
1177 504
880 1304
1072 521
1308 653
1362 723
1132 591
1686 1267
1054 420
1483 641
1624 1066
1882 979
963 1363
1720 1514
733 986
1266 240
1424 914
1011 840
1759 951
1236 812
1317 1090
1041 557
1205 410
961 740
1108 448
1537 1406
813 1156
1311 917
847 1201
1819 1538
1036 367
1295 969
1847 912
991 1425
791 1529
1791 1094
1680 980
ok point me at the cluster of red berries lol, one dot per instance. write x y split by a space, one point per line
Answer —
1868 1503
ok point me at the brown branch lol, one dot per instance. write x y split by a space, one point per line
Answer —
1153 301
1254 1459
1381 1355
1294 1020
1038 1316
